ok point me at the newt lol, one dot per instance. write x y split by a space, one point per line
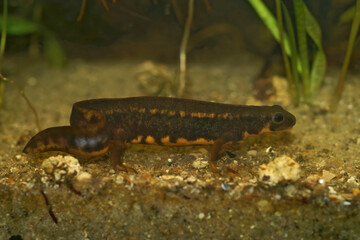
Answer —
98 126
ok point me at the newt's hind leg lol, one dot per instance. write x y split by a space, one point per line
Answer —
117 151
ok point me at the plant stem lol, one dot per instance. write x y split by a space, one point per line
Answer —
282 44
2 48
4 29
183 47
294 56
349 50
303 49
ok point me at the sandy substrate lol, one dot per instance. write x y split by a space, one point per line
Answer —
175 195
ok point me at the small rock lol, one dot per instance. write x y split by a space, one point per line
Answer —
168 177
204 151
84 177
356 192
252 153
269 150
201 216
290 190
225 186
61 166
265 206
199 164
191 179
311 181
327 176
352 180
282 168
119 179
332 190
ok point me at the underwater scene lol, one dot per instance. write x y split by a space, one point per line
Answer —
169 119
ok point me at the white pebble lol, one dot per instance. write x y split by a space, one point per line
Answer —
252 153
282 168
198 164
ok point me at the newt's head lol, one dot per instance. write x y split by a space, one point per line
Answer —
262 119
279 119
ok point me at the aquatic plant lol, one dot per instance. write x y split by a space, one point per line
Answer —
304 81
2 48
19 26
353 13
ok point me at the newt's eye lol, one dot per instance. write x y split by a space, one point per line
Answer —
278 117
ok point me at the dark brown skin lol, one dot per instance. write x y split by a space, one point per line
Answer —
101 125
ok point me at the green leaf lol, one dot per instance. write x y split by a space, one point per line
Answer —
348 15
19 26
303 47
319 63
312 27
295 66
53 50
270 21
318 71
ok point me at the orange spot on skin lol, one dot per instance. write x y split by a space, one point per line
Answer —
137 140
120 110
133 109
154 111
224 116
183 141
199 141
162 111
182 113
194 114
136 109
202 115
165 140
150 140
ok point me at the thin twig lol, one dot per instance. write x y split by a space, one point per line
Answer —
82 11
183 46
22 93
106 6
177 12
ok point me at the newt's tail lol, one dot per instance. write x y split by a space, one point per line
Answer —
74 140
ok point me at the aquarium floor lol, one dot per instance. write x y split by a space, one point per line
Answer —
171 197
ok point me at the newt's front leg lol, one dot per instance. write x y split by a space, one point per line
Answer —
216 148
117 149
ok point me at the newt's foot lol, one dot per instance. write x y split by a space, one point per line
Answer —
125 169
213 167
